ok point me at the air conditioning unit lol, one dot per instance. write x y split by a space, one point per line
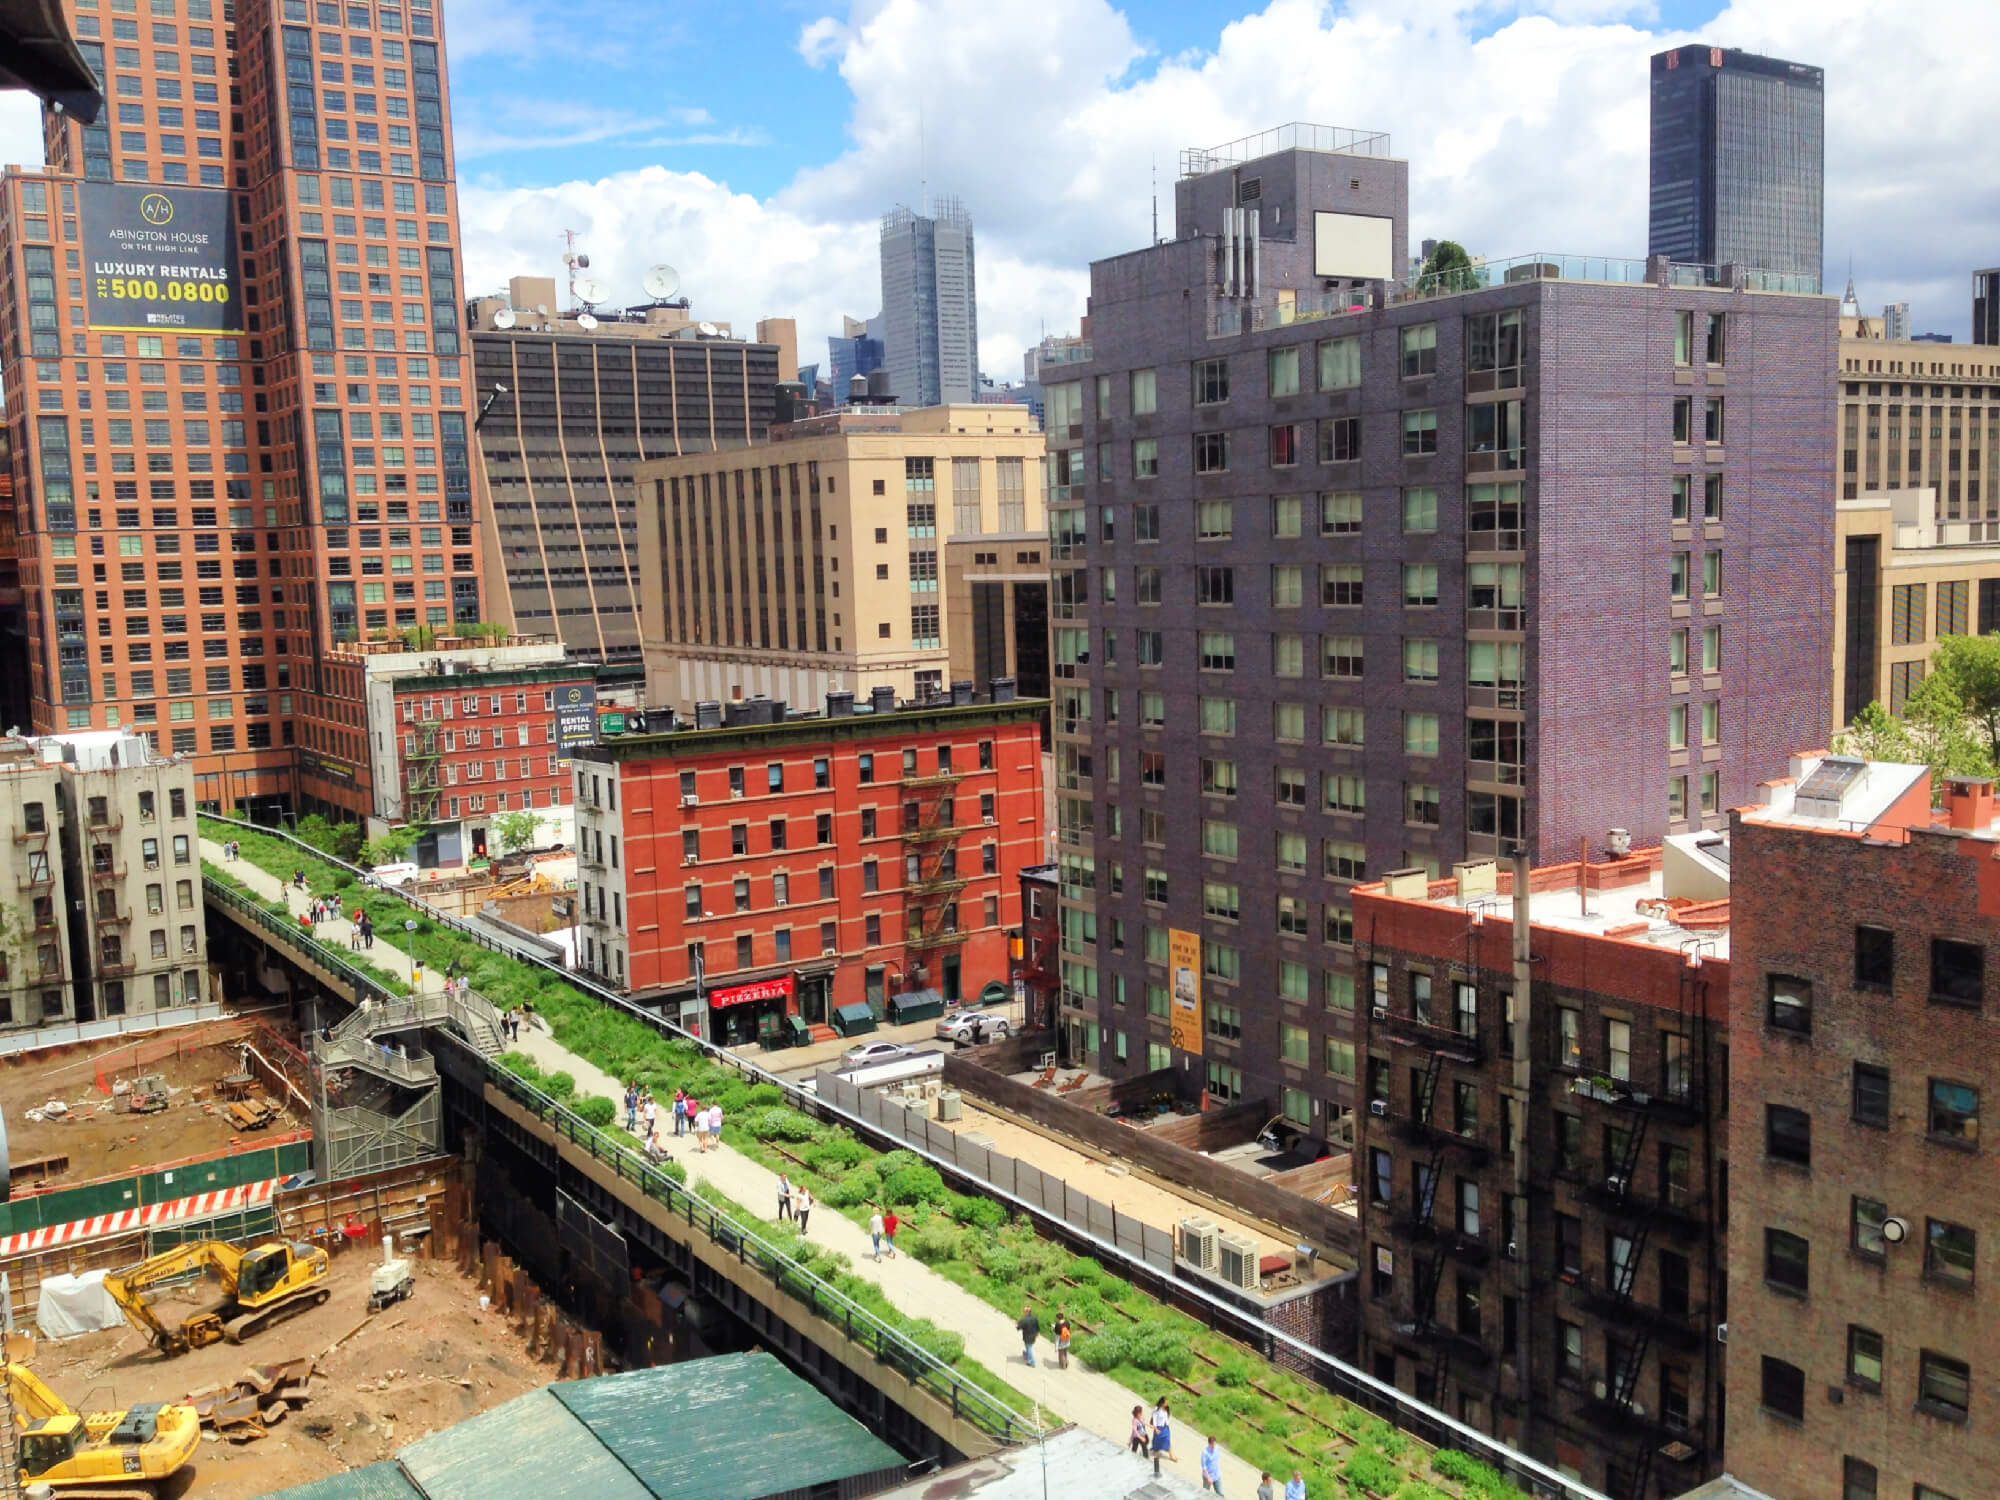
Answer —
1198 1243
1238 1266
1722 1333
690 801
1599 1389
692 859
1614 1184
1379 1012
1378 1108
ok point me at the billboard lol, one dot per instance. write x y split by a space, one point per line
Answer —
1360 246
576 716
161 259
1184 1004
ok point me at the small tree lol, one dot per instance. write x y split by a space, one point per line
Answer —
1964 676
392 845
341 840
516 830
1448 269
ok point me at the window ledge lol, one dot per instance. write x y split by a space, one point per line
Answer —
1865 1386
1784 1164
1782 1290
1953 1001
1781 1416
1952 1143
1943 1413
1955 1285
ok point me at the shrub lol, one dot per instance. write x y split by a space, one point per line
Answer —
764 1095
559 1085
520 1065
780 1124
1158 1347
1416 1489
676 1171
914 1184
1084 1305
941 1343
856 1187
894 1161
977 1213
1084 1271
734 1096
1370 1470
836 1154
597 1111
1002 1264
934 1242
1233 1371
1479 1478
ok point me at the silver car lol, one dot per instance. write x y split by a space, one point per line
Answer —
974 1026
874 1052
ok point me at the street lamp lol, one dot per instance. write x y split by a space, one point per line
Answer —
417 964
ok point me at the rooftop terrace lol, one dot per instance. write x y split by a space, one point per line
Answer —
1198 161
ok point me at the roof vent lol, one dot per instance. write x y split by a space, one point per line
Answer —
839 705
1822 792
1001 689
882 700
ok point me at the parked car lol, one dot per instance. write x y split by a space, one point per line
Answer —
973 1026
874 1052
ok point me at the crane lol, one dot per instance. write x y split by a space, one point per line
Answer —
260 1285
107 1455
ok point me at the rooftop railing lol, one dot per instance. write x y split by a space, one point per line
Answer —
1197 161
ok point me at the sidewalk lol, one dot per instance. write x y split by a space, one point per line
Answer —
1074 1395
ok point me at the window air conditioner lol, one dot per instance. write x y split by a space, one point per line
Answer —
690 801
1379 1108
1379 1012
1614 1184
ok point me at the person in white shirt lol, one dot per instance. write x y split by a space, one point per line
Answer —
875 1232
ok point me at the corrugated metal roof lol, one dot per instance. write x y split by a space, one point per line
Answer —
383 1481
534 1441
732 1427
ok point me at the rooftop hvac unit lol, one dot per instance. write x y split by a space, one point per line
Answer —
1198 1243
1238 1254
949 1105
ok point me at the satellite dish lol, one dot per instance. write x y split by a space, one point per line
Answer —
590 289
541 309
586 322
661 281
504 318
583 260
710 331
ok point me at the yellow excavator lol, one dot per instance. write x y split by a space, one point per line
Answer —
105 1455
260 1285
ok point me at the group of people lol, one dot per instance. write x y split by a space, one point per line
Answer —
643 1118
795 1202
1154 1434
232 848
1031 1329
510 1021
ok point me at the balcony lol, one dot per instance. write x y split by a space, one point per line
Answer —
111 918
1426 1133
1596 1294
1684 1104
1457 1046
1462 1347
27 880
938 778
107 822
1621 1419
921 939
107 874
929 830
31 835
122 968
936 885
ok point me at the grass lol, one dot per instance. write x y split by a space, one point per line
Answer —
1266 1416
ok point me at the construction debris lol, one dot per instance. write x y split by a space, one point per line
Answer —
245 1410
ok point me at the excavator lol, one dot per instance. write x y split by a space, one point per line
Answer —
260 1285
106 1455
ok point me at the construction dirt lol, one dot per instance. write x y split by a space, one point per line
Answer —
96 1131
416 1367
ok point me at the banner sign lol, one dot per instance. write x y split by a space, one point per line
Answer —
576 716
763 989
1184 963
161 258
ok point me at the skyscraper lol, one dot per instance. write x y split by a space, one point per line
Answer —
855 351
930 311
1738 161
1986 306
1896 321
243 390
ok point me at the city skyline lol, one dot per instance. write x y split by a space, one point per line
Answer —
787 220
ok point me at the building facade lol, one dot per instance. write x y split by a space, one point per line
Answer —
1541 1155
1986 306
869 546
558 449
1860 1336
1918 415
1738 161
792 864
855 351
930 307
1392 576
36 989
263 430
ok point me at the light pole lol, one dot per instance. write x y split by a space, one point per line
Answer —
416 963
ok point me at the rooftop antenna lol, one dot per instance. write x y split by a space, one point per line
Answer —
576 261
1156 197
923 163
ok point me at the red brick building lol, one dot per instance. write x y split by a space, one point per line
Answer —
1539 1155
792 864
1863 1325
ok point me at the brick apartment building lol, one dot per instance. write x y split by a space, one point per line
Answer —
235 378
1541 1183
1862 1332
1355 574
777 863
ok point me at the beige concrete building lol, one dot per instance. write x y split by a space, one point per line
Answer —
1920 415
34 946
868 547
139 944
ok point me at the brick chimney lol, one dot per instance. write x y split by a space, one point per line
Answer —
1968 802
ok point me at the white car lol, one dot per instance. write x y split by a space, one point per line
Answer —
972 1025
874 1052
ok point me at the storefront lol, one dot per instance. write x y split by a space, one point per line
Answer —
742 1014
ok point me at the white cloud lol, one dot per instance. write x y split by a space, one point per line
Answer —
20 130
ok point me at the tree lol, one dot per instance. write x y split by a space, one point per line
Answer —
341 840
392 845
1935 731
1448 269
516 830
1964 676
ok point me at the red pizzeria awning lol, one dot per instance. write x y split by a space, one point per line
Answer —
763 989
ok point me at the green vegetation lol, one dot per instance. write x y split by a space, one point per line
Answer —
1951 722
515 830
341 840
1265 1415
1448 269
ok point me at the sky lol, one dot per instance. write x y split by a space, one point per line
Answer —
754 146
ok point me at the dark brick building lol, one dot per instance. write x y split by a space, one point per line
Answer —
1540 1183
1862 1333
1355 575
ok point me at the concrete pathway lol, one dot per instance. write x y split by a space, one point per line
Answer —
1073 1395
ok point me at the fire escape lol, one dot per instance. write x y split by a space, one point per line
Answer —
423 772
931 877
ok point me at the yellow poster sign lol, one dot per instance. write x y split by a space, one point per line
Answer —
1184 960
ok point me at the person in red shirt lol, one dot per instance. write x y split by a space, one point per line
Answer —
889 1223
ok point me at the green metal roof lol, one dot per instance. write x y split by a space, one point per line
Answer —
534 1441
383 1481
733 1427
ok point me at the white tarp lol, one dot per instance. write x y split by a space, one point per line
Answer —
76 1304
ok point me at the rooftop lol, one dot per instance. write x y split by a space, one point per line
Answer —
1844 794
980 419
1084 1465
665 731
1198 161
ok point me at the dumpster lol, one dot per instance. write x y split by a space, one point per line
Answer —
917 1005
853 1020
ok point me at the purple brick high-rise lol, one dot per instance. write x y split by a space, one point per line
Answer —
1358 572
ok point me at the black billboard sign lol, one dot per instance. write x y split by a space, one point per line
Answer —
576 716
161 258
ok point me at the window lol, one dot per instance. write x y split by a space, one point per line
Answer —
1211 382
1420 734
1213 521
1788 1134
1339 363
1950 1251
1865 1217
1864 1357
1420 433
1683 419
1944 1386
1790 1004
1419 350
1871 1095
1420 509
1284 370
1145 393
1784 1389
1618 1050
1711 419
1339 440
1569 1350
1677 575
1340 513
1907 617
1420 585
1954 1113
1786 1261
1420 804
1857 1481
1569 1037
1287 516
1420 660
1957 971
1874 956
1211 452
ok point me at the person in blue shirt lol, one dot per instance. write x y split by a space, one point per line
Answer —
1211 1469
1295 1488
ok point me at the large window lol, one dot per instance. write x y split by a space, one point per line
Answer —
1211 382
1786 1261
1864 1357
1420 433
1950 1251
1874 956
1944 1386
1954 1113
1419 350
1788 1134
1784 1389
1211 452
1339 363
1789 1006
1957 971
1284 370
1865 1219
1871 1095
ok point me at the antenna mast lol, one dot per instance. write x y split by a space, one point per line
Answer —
1156 198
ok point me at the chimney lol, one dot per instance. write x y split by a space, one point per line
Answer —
1001 689
1968 802
882 700
961 694
839 705
708 714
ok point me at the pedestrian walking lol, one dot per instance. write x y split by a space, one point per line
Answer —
1031 1329
306 921
1211 1469
1062 1339
299 878
784 1195
631 1109
714 1126
1295 1487
680 1111
1163 1431
875 1233
1266 1490
802 1206
889 1225
650 1112
1142 1434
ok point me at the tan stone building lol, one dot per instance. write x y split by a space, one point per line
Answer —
868 547
34 949
1917 415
